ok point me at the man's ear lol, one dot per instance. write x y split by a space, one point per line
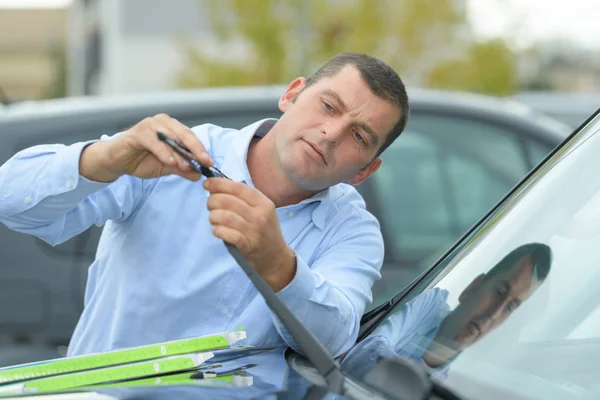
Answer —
366 172
472 286
290 94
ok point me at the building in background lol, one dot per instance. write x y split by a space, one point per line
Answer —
132 46
121 47
32 44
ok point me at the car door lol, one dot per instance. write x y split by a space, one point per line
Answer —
439 178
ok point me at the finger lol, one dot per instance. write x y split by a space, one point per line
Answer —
229 235
229 219
161 151
250 195
173 163
186 136
223 201
190 175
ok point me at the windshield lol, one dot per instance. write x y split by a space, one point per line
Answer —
514 311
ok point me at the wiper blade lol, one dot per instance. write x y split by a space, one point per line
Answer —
310 346
398 378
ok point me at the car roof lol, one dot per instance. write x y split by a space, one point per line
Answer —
572 108
260 97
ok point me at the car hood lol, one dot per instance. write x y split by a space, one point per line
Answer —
260 373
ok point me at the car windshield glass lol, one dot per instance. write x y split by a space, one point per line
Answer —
514 311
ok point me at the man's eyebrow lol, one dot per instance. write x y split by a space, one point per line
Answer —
336 97
361 124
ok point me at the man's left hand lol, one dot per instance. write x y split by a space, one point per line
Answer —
245 218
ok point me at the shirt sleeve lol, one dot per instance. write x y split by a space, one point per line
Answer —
330 295
44 195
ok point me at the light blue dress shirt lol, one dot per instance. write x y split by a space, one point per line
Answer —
406 333
159 273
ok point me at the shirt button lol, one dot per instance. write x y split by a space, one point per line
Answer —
291 214
69 183
224 310
27 199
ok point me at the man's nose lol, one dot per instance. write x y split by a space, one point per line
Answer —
334 132
493 314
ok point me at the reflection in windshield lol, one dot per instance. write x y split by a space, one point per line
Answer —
427 331
548 346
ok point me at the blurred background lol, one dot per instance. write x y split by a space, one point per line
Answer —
60 48
481 75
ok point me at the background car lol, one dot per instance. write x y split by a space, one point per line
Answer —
570 108
460 154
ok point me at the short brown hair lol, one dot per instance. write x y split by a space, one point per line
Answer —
383 81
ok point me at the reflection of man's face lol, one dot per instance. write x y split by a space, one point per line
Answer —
484 304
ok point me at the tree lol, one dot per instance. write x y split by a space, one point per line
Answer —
488 67
58 86
282 39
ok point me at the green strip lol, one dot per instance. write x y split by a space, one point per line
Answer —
92 361
111 374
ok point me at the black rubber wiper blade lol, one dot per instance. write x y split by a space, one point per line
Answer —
399 379
310 346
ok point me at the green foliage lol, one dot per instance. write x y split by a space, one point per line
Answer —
488 67
58 86
424 40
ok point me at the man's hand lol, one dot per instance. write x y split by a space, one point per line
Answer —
245 218
138 152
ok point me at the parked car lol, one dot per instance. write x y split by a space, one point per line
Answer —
510 311
459 155
569 108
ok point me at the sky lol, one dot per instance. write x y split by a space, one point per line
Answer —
578 20
34 3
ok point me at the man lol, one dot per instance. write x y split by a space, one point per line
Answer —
159 273
426 331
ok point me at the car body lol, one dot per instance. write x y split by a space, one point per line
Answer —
539 246
459 155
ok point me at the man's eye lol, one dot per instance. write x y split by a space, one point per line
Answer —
359 137
510 307
327 107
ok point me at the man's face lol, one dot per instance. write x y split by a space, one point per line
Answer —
332 131
485 304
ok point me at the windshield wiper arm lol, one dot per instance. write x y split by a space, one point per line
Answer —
310 346
400 379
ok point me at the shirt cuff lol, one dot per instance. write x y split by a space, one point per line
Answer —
65 178
301 286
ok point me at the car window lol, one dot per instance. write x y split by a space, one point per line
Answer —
413 203
537 151
514 312
474 188
438 179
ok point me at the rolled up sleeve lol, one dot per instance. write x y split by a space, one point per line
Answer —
330 295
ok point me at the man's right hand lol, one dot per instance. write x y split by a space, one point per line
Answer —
138 152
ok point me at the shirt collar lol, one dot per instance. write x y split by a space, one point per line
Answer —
234 163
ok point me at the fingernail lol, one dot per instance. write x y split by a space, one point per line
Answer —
171 159
205 184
